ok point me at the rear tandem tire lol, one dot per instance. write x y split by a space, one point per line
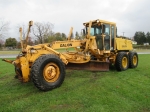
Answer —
48 72
122 61
133 60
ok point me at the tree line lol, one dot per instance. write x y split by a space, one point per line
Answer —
41 32
141 38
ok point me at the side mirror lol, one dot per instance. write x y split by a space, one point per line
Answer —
83 30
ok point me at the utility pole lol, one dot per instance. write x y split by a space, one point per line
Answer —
123 33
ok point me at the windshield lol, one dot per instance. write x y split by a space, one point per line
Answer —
96 30
104 34
103 43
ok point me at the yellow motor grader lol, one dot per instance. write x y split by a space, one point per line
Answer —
46 67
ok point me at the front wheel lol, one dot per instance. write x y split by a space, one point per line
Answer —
122 62
48 72
18 73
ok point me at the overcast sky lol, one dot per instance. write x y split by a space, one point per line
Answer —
129 15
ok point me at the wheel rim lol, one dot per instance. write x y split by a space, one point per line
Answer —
124 62
134 60
51 72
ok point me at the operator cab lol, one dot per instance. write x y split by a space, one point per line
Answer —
104 33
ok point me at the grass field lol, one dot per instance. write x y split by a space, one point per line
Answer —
82 91
9 52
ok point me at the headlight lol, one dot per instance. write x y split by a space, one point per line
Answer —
32 51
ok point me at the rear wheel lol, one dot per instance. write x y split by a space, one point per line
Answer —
133 59
122 62
48 72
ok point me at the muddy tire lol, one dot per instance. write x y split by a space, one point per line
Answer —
48 72
133 60
18 73
122 61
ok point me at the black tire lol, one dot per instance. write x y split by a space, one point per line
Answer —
18 73
133 59
48 72
122 61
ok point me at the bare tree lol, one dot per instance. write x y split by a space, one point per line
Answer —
42 31
3 28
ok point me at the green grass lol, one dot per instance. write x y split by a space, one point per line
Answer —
142 50
82 91
64 50
9 52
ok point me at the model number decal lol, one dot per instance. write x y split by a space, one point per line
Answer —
124 45
66 45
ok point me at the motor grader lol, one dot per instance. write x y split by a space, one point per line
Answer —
45 65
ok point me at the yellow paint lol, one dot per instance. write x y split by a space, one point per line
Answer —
84 49
25 69
51 72
135 60
124 62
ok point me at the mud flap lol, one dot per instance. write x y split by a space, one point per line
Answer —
91 66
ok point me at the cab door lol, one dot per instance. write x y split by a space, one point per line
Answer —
106 37
108 34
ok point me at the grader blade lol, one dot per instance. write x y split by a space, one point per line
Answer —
91 66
